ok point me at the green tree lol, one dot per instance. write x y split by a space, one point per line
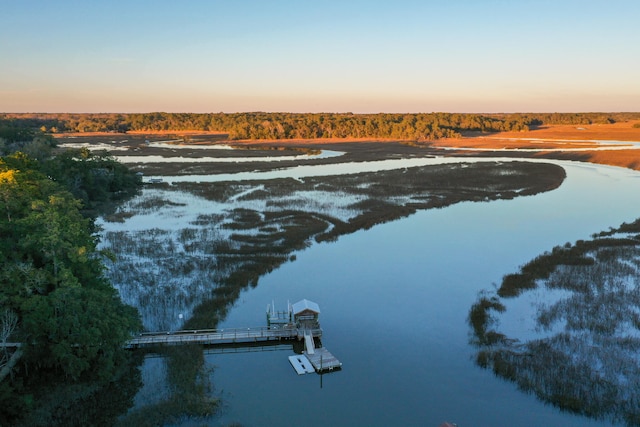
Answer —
70 318
77 331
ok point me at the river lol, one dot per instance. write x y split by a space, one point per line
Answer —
394 303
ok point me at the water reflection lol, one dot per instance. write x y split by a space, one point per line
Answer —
304 171
593 145
183 253
181 388
84 404
567 327
325 154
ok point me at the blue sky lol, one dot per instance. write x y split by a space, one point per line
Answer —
310 56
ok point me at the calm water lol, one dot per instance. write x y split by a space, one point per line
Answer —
394 302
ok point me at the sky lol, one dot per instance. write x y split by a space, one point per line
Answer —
360 56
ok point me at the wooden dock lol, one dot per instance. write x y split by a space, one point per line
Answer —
313 359
322 360
299 321
212 337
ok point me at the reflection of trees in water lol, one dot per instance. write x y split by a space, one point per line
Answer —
60 403
189 394
582 355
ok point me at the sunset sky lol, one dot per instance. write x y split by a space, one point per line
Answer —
311 56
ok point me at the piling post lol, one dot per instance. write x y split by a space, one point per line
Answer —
268 318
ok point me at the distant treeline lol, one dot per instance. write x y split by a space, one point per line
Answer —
258 125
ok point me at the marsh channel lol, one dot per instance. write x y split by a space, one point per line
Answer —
395 256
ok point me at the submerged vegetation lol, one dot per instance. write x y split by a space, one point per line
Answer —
579 351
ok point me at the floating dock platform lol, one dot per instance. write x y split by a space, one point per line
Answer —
301 364
322 360
314 359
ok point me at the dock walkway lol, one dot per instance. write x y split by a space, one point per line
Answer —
299 321
218 336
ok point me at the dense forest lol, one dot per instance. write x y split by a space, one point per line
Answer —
54 297
258 125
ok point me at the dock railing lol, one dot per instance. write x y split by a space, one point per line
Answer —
215 336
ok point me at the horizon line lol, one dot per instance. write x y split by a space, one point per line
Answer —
327 112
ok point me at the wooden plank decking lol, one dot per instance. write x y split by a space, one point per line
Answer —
216 336
323 360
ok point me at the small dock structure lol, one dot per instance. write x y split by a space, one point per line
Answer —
298 322
314 359
305 314
279 318
306 317
322 360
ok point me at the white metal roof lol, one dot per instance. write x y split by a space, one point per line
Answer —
305 304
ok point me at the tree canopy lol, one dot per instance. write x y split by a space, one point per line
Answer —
260 125
64 311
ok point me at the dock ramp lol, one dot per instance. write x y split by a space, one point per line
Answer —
308 343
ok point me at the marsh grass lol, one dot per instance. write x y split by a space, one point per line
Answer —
480 319
118 216
232 233
585 357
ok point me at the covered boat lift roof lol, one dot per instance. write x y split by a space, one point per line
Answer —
305 305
